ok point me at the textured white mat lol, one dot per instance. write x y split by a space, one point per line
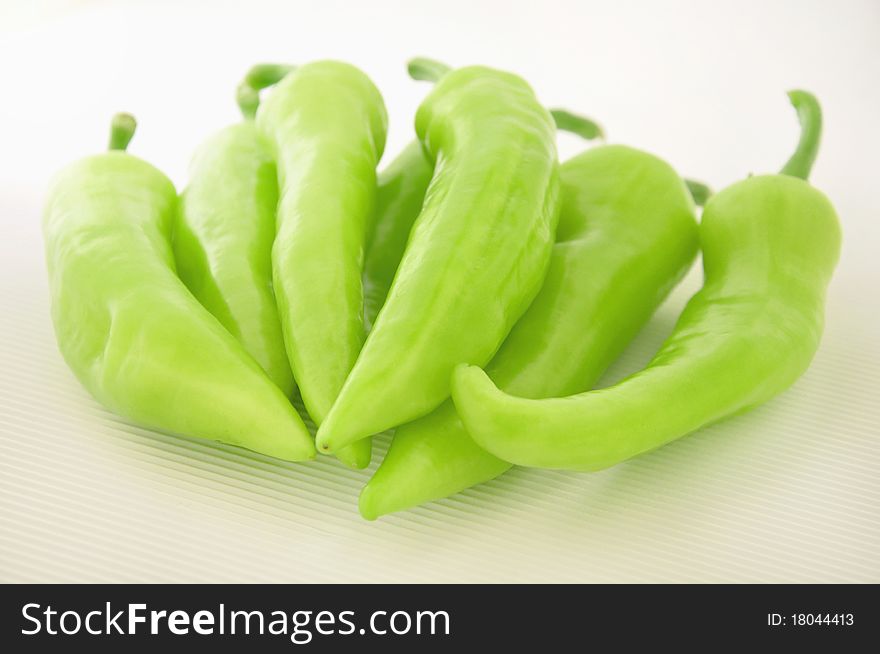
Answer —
789 492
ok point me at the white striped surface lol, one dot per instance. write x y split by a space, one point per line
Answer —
789 492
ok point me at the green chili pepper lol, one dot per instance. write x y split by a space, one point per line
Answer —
401 193
326 123
128 327
476 256
224 233
627 234
770 244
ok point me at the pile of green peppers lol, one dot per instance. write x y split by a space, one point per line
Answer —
468 296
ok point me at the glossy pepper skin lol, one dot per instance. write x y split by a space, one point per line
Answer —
325 123
401 194
128 327
223 239
476 255
627 234
770 244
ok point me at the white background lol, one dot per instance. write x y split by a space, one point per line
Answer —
789 492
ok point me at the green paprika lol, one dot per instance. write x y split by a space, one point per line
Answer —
475 258
128 327
770 245
223 237
627 234
325 124
401 193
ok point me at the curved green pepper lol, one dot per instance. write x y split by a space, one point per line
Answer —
128 327
627 234
223 238
326 125
476 256
770 244
401 193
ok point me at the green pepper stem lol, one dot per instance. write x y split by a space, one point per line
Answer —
259 77
810 117
122 128
579 125
426 70
699 192
430 70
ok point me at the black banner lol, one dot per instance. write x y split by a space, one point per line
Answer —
429 618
